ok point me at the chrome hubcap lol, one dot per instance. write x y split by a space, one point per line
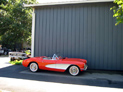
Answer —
74 70
33 67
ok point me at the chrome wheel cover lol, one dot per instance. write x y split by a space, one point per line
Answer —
74 70
33 67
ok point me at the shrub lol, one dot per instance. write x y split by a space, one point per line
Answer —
28 52
16 62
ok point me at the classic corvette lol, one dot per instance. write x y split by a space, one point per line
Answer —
56 63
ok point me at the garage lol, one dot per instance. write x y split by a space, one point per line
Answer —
81 29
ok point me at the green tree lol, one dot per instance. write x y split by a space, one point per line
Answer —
3 19
118 11
2 3
15 22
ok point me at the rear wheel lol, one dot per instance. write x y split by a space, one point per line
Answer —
74 70
33 67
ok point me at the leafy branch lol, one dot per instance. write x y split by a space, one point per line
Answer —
118 11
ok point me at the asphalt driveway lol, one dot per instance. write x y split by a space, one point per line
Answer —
19 79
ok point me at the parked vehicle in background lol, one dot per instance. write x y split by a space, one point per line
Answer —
4 51
17 56
1 52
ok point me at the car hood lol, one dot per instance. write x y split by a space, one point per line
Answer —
75 59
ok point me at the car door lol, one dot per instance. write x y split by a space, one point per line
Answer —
48 64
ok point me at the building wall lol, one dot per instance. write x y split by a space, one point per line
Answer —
85 31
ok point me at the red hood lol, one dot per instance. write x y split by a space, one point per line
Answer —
76 59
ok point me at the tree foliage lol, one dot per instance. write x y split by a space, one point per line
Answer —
15 21
118 11
2 3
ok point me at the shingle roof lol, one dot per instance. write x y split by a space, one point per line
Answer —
66 2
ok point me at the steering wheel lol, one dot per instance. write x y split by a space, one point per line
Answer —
57 58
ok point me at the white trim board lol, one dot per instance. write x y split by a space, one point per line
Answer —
33 33
66 2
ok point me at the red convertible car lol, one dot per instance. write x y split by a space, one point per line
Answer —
56 63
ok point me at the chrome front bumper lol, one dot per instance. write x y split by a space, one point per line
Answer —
85 67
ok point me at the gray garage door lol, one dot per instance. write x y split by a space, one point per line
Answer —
81 31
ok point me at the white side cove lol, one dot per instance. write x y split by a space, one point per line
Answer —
33 32
58 66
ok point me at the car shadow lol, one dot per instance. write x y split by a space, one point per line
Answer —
20 72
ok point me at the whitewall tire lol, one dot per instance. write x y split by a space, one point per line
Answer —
74 70
33 67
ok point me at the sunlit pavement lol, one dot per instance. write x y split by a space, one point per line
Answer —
13 84
20 85
4 62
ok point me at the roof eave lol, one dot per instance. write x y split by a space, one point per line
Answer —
63 3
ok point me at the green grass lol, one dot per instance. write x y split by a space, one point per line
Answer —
3 55
16 62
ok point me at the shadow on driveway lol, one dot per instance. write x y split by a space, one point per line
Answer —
85 78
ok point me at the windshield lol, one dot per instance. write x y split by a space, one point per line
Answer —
56 56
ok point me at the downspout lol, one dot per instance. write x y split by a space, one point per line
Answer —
33 33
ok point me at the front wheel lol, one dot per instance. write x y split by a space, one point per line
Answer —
74 70
33 67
